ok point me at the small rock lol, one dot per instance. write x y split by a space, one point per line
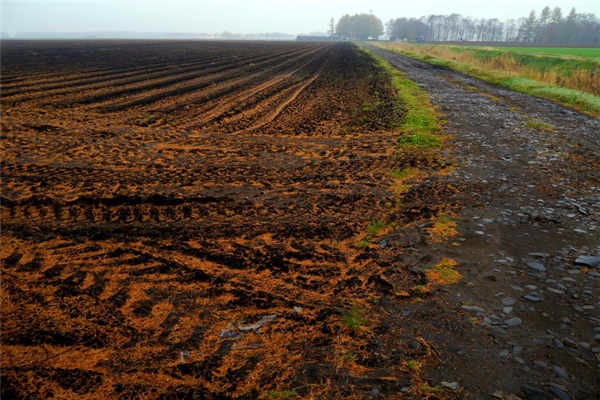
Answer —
559 392
450 385
536 265
375 392
298 309
383 244
472 308
507 310
509 301
513 322
230 332
533 297
560 372
504 353
261 322
533 393
540 364
570 343
555 291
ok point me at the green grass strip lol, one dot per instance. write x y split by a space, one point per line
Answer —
420 126
576 99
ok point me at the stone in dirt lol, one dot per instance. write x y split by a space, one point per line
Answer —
559 392
472 308
588 261
513 322
230 332
534 393
560 372
451 385
509 301
261 322
533 297
536 265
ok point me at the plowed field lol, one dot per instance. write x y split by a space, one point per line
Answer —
180 219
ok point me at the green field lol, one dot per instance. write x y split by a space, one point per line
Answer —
553 51
560 51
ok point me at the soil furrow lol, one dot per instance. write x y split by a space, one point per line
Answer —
176 88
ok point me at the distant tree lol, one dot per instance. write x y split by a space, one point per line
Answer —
545 16
528 29
331 27
409 29
555 29
550 27
556 17
541 30
511 30
359 26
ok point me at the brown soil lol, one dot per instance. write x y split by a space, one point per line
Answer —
180 220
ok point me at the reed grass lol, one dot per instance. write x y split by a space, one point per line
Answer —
562 82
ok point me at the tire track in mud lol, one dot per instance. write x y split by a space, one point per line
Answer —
528 169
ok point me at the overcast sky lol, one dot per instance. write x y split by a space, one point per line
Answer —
242 16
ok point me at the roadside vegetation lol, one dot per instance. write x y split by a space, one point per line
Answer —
572 81
419 141
420 126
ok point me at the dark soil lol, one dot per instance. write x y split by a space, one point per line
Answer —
180 221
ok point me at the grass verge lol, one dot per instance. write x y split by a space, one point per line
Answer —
582 101
420 126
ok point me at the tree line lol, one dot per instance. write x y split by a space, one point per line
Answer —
359 27
549 27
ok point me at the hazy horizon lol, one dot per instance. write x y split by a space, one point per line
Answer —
243 17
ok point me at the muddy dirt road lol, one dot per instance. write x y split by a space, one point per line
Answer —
530 178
